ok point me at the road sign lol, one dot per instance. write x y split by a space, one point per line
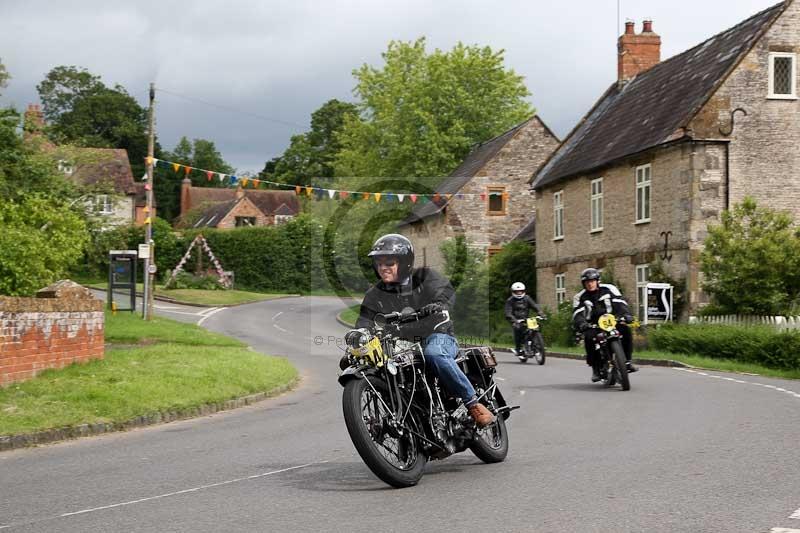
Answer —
152 269
144 251
658 307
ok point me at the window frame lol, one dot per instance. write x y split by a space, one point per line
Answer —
646 186
558 215
771 76
641 289
236 220
561 289
283 219
596 199
103 204
496 189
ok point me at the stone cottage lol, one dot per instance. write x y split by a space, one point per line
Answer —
665 149
487 198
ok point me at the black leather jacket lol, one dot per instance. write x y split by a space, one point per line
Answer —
425 286
517 308
606 299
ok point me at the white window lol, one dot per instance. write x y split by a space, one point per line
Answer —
561 288
65 167
642 276
782 75
103 204
283 219
597 204
643 193
558 215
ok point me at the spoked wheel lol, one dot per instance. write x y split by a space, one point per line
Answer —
491 443
538 348
621 367
392 453
608 372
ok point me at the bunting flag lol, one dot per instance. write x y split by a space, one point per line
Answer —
147 186
320 193
147 220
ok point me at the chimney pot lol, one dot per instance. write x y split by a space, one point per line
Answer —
647 26
629 27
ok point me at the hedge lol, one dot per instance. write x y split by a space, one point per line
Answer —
749 344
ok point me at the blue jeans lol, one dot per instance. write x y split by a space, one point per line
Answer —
440 353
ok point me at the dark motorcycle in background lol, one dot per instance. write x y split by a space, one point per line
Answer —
533 346
399 416
608 343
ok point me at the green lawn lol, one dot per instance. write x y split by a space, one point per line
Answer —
202 297
155 366
350 314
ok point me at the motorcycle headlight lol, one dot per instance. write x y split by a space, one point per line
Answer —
357 338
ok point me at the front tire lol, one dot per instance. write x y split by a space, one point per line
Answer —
622 368
538 347
398 461
491 443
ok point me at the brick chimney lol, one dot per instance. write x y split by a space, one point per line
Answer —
34 119
637 53
186 188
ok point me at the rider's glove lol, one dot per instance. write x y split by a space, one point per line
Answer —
584 326
627 318
430 309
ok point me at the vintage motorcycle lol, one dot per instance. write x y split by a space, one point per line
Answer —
399 416
608 343
534 343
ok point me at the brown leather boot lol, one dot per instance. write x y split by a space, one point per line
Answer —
482 416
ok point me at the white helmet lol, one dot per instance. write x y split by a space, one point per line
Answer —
518 286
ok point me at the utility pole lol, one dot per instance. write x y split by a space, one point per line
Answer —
150 262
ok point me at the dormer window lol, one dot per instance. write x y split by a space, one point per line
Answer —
782 75
65 167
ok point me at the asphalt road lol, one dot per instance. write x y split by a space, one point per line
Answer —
682 451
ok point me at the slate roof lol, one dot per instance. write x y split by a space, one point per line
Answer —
478 157
213 209
527 233
655 106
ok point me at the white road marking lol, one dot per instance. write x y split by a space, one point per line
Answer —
185 491
279 313
208 313
765 385
498 378
522 393
783 530
796 514
165 306
280 328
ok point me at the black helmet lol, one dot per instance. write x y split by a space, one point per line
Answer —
590 274
398 246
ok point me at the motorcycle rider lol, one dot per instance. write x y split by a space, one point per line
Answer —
600 297
518 306
425 290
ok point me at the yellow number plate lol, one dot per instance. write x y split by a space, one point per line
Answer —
373 351
533 323
607 322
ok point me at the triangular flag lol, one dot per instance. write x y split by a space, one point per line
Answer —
389 197
436 197
209 174
186 170
147 220
400 197
377 197
413 198
176 166
343 195
233 179
448 196
146 209
148 160
297 189
147 186
244 182
221 176
483 196
144 178
320 193
308 191
155 161
505 196
331 193
365 195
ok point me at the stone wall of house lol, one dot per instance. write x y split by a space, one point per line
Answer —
764 156
426 237
245 208
621 243
64 324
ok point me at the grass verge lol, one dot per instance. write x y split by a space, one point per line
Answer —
202 297
158 366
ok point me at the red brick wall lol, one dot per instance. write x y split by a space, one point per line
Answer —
64 324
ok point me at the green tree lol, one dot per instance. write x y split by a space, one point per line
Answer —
751 260
420 113
63 86
4 76
311 155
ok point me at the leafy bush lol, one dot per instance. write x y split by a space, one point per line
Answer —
557 329
184 280
750 344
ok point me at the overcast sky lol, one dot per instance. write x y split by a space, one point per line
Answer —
277 62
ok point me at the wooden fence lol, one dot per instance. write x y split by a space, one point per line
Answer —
778 322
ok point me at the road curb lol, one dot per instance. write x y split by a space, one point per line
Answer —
638 361
48 436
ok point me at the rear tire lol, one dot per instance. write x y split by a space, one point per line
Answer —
622 368
491 443
365 418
